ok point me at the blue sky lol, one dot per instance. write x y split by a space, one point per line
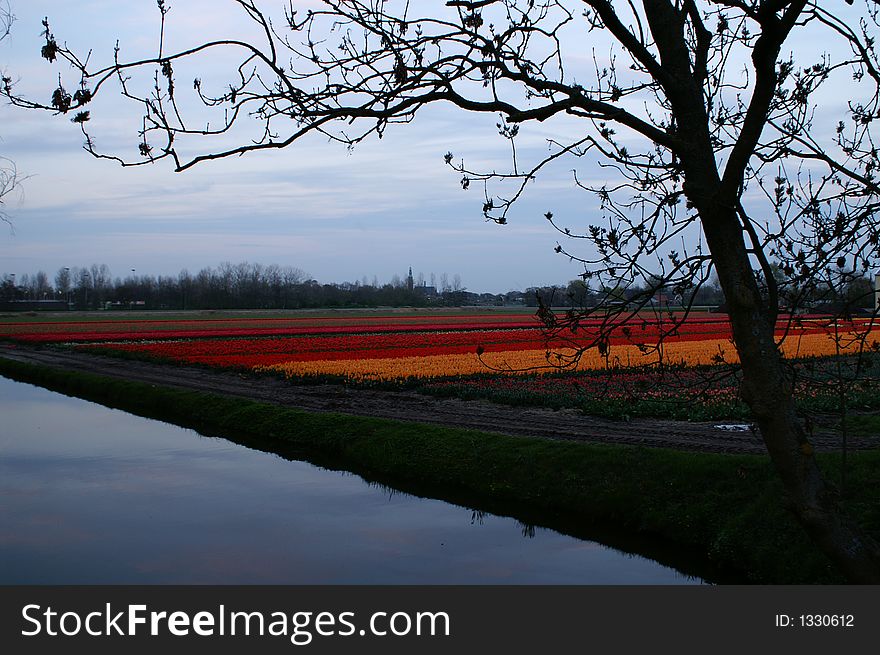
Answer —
339 216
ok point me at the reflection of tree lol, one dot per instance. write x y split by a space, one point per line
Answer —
527 530
717 156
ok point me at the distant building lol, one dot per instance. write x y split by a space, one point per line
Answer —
421 288
661 299
877 292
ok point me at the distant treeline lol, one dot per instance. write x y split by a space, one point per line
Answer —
228 286
256 286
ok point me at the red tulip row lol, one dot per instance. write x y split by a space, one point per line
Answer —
148 325
148 335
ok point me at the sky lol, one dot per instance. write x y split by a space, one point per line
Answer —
337 215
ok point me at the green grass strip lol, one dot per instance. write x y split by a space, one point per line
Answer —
725 508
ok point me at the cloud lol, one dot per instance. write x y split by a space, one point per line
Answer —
386 205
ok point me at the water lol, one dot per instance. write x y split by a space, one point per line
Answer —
91 495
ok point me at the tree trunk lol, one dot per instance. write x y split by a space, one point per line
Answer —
767 385
768 391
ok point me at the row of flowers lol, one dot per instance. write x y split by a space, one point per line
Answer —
116 330
9 328
686 353
224 332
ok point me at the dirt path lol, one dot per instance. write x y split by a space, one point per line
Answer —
411 406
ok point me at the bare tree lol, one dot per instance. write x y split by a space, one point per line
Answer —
9 180
9 177
708 116
6 18
40 287
62 281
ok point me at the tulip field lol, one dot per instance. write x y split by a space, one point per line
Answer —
479 353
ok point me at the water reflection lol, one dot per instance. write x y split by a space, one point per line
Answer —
94 495
528 531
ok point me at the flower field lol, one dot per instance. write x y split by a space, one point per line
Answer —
395 346
503 356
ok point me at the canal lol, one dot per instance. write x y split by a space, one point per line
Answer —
92 495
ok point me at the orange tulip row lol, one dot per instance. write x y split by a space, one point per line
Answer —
690 353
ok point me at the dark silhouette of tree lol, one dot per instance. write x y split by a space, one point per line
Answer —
6 19
229 286
9 177
731 146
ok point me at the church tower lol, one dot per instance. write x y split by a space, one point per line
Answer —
409 280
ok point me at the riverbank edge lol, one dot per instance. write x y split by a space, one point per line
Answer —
727 508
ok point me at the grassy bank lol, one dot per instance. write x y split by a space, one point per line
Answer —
726 508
